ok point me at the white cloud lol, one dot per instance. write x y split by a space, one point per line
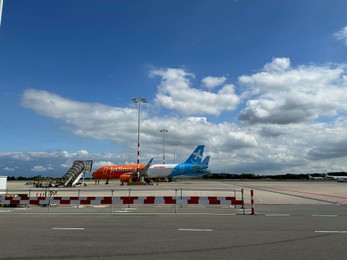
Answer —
85 119
269 149
65 165
212 82
278 65
40 168
176 93
283 106
342 35
197 120
102 163
281 94
82 153
8 169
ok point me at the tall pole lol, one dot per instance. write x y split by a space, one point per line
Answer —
163 131
1 4
138 100
174 145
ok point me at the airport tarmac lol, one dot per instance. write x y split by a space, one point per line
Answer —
173 236
292 220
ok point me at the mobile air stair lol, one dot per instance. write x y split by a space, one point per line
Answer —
76 172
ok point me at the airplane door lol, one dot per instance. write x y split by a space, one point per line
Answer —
182 168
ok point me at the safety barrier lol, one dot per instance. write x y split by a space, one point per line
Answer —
147 200
252 202
49 197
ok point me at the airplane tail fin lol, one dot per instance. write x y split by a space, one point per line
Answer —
196 156
203 167
204 164
148 164
143 172
206 161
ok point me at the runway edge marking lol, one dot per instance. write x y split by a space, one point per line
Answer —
194 229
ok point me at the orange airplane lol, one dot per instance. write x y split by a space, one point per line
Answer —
123 172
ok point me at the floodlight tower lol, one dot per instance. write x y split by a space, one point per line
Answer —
163 131
174 146
138 101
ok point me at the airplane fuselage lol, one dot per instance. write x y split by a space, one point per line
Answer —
115 171
160 170
176 170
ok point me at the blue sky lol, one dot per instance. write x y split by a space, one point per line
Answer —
261 83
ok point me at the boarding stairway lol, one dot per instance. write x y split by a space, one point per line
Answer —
76 172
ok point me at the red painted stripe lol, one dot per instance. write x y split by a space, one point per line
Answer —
106 200
213 201
193 200
128 200
149 200
169 200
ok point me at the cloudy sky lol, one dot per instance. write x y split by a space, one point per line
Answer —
263 84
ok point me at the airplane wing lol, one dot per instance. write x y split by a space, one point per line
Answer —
142 172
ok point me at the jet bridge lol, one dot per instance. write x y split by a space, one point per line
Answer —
76 172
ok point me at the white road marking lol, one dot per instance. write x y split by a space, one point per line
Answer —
125 210
68 228
324 215
277 215
331 232
194 230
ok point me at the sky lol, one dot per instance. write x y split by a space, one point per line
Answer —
261 83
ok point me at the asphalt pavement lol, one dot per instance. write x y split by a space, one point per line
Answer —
172 236
292 220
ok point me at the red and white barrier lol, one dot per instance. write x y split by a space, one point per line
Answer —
252 202
146 200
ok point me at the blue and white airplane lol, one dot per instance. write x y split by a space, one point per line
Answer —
192 167
196 171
